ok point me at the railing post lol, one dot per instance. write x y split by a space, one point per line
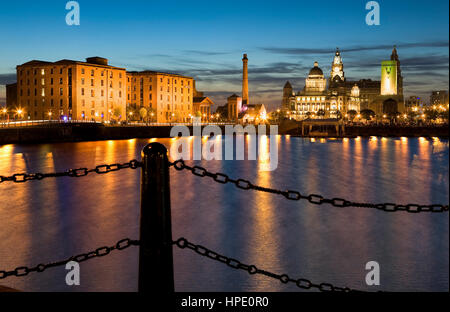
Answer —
156 257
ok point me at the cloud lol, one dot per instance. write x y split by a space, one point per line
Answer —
309 51
7 78
204 53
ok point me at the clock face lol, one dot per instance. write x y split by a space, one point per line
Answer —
388 70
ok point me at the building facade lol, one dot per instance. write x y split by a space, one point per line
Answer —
96 91
169 97
71 90
337 96
413 104
11 96
234 105
438 98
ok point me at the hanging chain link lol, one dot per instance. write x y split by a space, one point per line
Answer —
315 199
303 283
99 252
73 173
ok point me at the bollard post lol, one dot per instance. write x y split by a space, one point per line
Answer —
155 255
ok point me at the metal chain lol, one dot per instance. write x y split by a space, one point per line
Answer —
221 178
99 252
73 173
303 283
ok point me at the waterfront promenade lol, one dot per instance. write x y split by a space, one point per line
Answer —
53 132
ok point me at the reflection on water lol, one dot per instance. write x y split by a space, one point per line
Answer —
57 218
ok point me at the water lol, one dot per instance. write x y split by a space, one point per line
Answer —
44 221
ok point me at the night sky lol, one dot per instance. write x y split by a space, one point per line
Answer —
206 40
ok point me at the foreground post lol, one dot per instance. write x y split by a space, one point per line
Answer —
155 258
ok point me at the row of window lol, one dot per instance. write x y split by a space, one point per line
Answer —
52 103
61 71
167 106
141 80
102 83
42 82
150 97
151 89
93 103
102 93
102 73
61 92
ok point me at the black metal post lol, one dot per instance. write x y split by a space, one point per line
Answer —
156 257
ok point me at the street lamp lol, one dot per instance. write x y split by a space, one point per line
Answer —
50 115
5 112
19 112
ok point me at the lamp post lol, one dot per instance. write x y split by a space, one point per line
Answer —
130 115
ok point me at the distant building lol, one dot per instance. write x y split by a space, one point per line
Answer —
439 98
11 96
254 113
234 104
341 95
67 89
96 91
168 96
222 111
202 107
413 104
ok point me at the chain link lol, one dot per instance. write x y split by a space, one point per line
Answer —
73 173
315 199
99 252
303 283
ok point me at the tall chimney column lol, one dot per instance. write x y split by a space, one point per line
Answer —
245 99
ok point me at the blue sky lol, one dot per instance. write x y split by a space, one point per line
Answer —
206 39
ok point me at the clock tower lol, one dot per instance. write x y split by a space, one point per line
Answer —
337 68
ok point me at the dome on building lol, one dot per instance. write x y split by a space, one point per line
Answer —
316 71
355 91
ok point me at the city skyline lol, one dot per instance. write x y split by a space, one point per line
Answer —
282 42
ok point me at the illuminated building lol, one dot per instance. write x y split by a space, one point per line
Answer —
239 108
168 96
254 113
439 98
413 104
391 100
245 97
71 90
342 95
234 104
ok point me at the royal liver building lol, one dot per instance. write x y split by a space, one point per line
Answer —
337 96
